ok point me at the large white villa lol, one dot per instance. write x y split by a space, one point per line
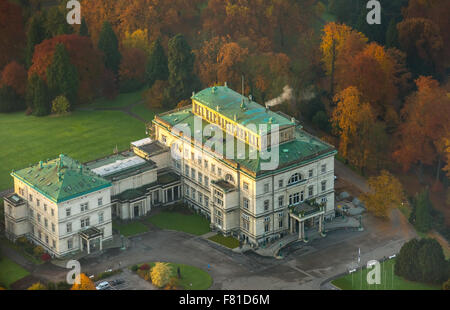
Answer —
276 179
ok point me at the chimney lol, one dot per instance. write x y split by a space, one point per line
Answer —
41 164
226 85
80 168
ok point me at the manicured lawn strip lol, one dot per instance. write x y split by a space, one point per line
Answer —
10 272
131 229
143 111
83 135
192 224
229 242
389 281
199 278
122 100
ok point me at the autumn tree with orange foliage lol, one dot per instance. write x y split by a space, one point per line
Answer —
14 75
83 283
386 193
372 71
337 39
426 123
422 41
362 138
83 56
206 59
230 61
12 33
132 69
437 11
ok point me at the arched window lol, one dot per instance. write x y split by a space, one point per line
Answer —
295 178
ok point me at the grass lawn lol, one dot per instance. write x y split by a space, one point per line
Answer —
200 279
83 135
143 111
229 242
389 281
122 100
10 272
192 224
130 229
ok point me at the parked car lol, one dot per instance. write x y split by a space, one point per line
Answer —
116 282
102 285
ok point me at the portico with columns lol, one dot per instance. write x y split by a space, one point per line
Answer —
306 214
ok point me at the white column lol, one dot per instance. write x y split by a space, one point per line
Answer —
88 247
300 230
101 243
320 223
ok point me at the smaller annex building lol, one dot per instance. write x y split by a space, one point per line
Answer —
66 206
60 205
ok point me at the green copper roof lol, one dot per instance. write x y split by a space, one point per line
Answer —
229 103
302 149
61 179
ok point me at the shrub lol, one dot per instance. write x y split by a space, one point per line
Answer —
153 97
38 251
60 105
173 284
144 267
46 257
142 273
38 286
160 274
134 268
446 285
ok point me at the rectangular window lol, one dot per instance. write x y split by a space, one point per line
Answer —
213 168
310 173
266 188
45 222
206 201
164 139
199 160
39 217
206 164
200 178
40 235
294 199
280 201
324 168
54 243
53 212
266 205
69 243
193 193
86 222
31 198
310 191
206 181
68 212
193 173
84 207
246 203
192 156
100 217
245 186
187 190
219 171
46 239
53 227
324 185
200 198
267 224
69 227
38 202
100 201
280 183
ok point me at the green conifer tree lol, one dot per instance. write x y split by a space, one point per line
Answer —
62 76
157 67
109 45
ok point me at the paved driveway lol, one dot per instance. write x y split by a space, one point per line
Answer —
305 267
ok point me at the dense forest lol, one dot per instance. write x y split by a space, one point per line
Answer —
380 93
